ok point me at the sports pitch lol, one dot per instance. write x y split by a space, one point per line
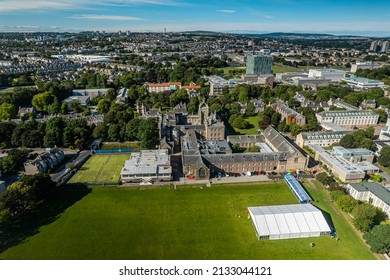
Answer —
100 168
166 223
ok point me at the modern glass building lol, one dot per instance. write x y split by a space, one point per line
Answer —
258 65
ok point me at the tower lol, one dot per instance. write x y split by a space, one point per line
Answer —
203 113
258 65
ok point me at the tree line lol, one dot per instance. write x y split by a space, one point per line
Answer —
365 217
23 195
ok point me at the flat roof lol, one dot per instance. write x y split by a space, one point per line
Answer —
343 164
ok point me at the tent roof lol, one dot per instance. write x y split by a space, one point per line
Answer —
288 219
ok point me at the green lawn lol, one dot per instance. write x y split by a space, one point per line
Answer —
252 128
166 223
118 145
278 68
383 168
350 239
100 168
226 69
322 67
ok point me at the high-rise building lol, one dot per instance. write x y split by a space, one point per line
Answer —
385 46
374 45
258 65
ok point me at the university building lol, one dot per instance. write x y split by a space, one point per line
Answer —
347 118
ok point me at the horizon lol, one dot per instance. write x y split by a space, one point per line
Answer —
340 18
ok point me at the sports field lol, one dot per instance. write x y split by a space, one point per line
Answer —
100 168
165 223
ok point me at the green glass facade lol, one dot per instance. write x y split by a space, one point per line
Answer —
258 65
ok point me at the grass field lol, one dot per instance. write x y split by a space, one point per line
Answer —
278 68
342 222
252 129
118 145
226 69
100 168
164 223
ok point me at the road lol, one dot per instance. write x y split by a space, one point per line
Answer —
75 160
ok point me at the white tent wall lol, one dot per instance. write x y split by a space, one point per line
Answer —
288 221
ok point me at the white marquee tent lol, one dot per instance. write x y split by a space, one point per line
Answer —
288 221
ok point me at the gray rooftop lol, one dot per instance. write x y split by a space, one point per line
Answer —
319 135
347 113
287 109
280 143
375 188
245 157
245 138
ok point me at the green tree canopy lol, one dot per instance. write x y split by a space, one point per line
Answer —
364 215
384 156
379 238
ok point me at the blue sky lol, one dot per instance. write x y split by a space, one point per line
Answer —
338 17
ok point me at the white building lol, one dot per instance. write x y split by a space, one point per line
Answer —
320 138
372 193
348 118
385 132
340 167
90 92
332 74
171 86
288 221
2 186
353 170
362 84
364 65
147 165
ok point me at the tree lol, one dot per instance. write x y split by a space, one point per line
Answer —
148 134
14 161
348 141
379 239
132 129
346 203
178 96
100 131
324 179
384 156
16 198
5 131
7 111
336 195
250 109
114 132
237 121
41 101
40 185
103 106
364 215
253 149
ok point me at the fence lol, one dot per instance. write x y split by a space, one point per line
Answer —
77 164
95 184
112 151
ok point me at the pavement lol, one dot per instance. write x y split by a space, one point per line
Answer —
61 171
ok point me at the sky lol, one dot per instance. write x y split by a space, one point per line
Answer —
355 17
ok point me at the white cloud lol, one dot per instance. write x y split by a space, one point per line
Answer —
12 5
227 11
105 17
44 5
